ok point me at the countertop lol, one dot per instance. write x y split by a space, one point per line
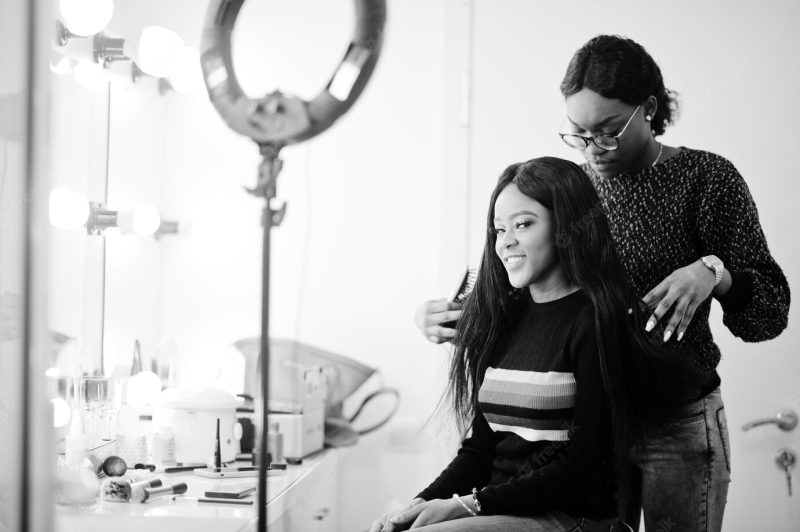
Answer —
165 514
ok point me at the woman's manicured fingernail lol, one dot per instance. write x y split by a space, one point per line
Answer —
650 324
667 334
680 335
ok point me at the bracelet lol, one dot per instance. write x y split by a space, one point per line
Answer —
462 503
475 498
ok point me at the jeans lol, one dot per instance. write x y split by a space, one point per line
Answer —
680 477
555 521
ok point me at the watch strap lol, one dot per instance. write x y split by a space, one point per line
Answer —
713 263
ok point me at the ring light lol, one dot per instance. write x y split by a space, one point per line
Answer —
273 122
280 119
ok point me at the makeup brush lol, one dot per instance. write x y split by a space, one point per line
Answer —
217 450
124 490
152 493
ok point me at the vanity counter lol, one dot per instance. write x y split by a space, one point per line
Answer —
305 498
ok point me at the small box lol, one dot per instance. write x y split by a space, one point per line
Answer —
303 434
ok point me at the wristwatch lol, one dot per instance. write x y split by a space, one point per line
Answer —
714 264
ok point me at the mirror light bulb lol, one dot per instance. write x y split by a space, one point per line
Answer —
142 220
187 76
86 17
67 208
145 220
61 412
60 64
159 50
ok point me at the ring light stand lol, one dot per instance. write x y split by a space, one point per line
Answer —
273 122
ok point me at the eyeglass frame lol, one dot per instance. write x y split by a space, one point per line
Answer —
587 140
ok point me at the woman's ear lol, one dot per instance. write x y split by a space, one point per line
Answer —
650 107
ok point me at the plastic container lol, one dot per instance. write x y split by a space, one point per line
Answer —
163 446
193 415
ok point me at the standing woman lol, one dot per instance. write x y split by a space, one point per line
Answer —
687 230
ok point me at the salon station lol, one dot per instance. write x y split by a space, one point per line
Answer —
219 217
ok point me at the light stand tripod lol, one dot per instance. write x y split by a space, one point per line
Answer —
266 188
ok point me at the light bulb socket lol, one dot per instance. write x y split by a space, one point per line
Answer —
108 49
137 73
164 86
167 227
100 219
63 35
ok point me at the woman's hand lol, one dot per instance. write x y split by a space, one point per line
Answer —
430 316
685 289
432 512
385 522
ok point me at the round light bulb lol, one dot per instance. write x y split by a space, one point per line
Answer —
67 208
90 76
143 388
61 412
145 219
187 76
86 17
60 64
159 49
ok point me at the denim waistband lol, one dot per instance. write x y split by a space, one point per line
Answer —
695 407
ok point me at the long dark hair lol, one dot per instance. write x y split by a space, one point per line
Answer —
641 377
619 68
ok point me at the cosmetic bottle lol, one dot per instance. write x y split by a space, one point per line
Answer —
164 446
275 444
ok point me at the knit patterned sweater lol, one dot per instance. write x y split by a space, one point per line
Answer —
541 438
694 204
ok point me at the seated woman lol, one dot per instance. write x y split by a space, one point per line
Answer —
552 370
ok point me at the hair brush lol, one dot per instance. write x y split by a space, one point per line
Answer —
461 291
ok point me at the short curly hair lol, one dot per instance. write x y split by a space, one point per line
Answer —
620 68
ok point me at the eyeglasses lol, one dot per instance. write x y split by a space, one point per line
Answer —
604 142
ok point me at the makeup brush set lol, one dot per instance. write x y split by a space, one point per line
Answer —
136 485
121 489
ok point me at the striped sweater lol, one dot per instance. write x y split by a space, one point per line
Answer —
541 438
